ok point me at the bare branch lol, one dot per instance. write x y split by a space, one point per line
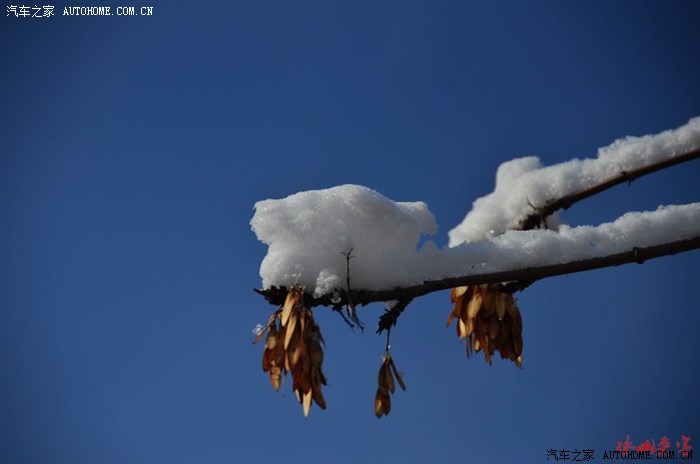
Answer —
350 306
276 295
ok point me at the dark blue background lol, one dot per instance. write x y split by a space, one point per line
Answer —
134 148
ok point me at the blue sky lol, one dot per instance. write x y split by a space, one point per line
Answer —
134 148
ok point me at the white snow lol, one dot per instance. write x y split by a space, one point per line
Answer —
541 247
523 182
308 233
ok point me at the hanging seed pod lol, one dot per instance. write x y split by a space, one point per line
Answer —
294 344
490 321
386 379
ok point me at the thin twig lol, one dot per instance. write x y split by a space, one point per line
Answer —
339 310
350 307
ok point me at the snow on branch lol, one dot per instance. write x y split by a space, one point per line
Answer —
548 254
526 192
540 214
350 245
310 233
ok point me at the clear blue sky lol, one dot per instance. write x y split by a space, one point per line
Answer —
134 148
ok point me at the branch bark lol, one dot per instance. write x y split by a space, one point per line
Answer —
276 295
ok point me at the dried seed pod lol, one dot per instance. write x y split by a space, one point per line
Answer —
386 403
379 404
306 403
458 292
290 303
517 343
512 308
275 377
290 329
462 329
493 328
397 374
318 398
315 353
501 302
489 319
266 360
272 338
381 379
460 296
386 386
294 345
475 305
389 377
271 322
382 403
469 327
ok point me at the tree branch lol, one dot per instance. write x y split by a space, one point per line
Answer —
537 218
389 318
517 279
276 295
